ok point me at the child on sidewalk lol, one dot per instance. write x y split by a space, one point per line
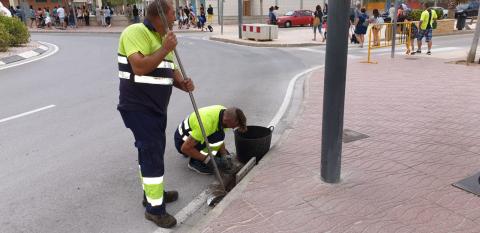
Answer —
325 26
412 27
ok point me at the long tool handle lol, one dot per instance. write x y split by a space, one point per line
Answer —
192 99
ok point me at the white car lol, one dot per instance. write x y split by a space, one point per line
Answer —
444 11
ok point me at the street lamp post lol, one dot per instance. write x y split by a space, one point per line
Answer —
394 28
222 17
334 89
240 18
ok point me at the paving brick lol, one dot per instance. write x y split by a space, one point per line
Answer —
423 135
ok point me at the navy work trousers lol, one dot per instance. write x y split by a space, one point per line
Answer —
149 132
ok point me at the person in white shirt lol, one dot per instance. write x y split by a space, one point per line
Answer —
61 16
391 11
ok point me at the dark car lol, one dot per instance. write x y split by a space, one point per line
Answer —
469 9
296 18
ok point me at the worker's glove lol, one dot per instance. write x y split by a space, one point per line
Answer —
223 162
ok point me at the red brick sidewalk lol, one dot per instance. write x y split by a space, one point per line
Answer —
423 121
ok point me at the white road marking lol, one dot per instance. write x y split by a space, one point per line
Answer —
313 50
55 50
288 96
26 113
28 54
2 63
187 211
324 52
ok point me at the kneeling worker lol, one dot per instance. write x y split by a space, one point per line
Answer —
216 119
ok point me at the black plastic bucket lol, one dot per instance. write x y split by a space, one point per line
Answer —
253 143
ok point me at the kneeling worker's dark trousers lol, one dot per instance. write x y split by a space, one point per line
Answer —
149 132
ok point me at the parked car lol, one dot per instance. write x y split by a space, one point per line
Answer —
296 18
470 9
443 10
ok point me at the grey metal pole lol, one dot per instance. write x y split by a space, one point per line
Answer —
334 89
218 10
394 28
240 18
476 36
222 17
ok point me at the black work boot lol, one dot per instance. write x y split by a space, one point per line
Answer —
168 196
164 221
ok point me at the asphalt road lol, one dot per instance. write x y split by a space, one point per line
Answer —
73 168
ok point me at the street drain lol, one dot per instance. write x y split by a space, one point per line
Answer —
350 136
470 184
411 58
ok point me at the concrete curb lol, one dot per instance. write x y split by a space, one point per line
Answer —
237 191
103 32
24 55
259 44
307 44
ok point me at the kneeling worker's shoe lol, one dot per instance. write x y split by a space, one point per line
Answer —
164 221
200 167
169 196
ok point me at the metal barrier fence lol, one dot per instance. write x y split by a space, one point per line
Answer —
375 39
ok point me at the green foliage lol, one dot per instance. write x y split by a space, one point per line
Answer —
17 30
5 38
417 13
439 14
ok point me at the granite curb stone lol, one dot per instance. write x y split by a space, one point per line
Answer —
20 57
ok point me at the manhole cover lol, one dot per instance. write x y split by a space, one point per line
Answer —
411 58
470 184
350 136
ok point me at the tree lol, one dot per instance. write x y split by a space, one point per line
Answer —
452 4
473 47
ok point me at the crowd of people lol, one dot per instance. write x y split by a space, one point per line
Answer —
361 21
187 16
59 17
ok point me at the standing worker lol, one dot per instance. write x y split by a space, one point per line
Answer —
147 73
426 25
190 142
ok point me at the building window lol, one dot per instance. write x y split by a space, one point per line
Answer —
40 0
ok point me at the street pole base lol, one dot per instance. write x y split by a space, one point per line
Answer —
369 62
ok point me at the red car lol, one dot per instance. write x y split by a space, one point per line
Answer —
296 18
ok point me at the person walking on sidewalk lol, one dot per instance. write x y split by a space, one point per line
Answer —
361 26
210 14
426 25
61 17
136 17
190 142
31 15
317 22
413 34
147 74
86 16
377 22
107 13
